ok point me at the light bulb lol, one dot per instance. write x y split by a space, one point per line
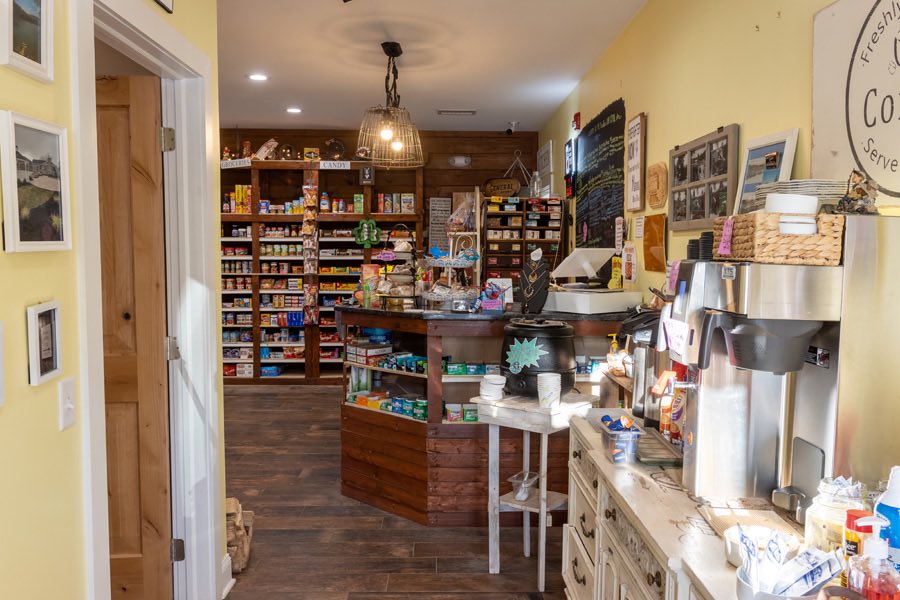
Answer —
386 133
258 76
397 145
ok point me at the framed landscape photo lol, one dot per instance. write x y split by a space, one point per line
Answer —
44 361
766 160
27 40
703 176
33 171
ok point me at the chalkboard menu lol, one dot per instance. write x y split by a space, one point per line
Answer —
600 178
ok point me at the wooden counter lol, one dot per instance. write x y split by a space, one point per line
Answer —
435 473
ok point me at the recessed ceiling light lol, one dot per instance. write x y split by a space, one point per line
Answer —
257 77
294 109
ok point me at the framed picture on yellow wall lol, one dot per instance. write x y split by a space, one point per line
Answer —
44 362
169 5
27 40
34 175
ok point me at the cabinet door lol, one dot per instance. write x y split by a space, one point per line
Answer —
628 587
609 575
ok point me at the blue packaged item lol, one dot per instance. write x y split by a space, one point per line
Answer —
378 335
888 506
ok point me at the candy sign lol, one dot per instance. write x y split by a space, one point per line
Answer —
873 96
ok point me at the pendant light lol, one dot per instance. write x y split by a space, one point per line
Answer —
387 136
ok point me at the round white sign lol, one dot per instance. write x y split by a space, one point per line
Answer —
873 97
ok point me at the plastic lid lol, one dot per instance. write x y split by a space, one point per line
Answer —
891 495
853 517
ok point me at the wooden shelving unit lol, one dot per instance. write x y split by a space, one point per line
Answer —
517 226
280 181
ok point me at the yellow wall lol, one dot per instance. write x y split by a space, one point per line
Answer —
40 470
693 65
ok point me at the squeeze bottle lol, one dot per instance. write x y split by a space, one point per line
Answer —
888 506
871 574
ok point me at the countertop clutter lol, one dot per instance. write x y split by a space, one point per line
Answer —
642 514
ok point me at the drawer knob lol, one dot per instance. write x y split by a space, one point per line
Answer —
595 484
586 533
610 514
654 579
579 580
576 454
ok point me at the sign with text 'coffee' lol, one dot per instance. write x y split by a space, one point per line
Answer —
873 96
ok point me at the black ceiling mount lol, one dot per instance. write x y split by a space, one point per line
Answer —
392 49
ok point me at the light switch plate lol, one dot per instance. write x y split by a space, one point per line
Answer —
66 391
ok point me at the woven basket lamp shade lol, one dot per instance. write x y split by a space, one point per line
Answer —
389 138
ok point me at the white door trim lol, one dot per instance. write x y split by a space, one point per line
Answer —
139 31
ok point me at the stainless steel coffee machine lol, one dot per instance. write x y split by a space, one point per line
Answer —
739 328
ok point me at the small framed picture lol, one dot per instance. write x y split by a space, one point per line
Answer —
680 206
718 157
169 5
698 203
698 164
33 171
44 362
680 169
718 199
766 159
27 41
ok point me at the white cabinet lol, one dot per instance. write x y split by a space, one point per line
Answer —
609 576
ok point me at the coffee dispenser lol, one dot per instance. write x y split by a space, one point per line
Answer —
753 324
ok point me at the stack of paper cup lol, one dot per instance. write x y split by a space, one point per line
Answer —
492 387
549 385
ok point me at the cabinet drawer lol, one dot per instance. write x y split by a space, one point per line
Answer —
651 575
584 468
578 571
583 520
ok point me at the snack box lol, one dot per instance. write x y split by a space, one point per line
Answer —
454 413
407 203
456 369
470 413
475 369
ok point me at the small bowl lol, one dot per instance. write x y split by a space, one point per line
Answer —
794 204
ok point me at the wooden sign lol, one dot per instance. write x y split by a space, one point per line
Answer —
504 187
334 165
367 175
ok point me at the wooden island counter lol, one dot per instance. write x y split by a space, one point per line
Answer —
435 472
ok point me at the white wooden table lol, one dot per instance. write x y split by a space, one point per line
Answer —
523 413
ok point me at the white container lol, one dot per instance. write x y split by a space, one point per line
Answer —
791 225
745 591
793 204
549 386
761 534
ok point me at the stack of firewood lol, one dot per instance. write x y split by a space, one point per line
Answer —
239 532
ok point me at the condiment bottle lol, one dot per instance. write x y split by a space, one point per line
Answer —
855 536
872 574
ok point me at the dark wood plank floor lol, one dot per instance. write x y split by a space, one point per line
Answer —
282 449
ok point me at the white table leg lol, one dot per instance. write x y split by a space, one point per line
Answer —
494 499
542 521
526 516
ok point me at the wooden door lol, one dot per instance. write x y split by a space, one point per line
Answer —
134 329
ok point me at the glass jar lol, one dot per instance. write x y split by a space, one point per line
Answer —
826 516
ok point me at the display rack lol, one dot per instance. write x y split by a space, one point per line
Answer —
265 274
514 227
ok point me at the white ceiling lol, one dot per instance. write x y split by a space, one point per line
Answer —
511 60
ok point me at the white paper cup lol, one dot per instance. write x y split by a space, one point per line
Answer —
548 398
498 380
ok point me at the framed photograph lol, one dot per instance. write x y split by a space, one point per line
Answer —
27 40
766 160
680 206
637 132
33 170
169 5
718 199
44 361
703 179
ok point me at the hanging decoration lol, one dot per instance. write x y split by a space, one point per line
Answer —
367 233
388 137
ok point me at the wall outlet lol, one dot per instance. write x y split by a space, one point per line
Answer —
66 392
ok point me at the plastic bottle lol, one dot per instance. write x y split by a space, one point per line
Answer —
855 536
872 574
888 506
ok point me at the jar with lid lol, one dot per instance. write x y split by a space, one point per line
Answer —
826 517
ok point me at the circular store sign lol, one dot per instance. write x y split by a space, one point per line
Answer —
873 97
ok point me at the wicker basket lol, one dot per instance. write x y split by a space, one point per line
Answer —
756 237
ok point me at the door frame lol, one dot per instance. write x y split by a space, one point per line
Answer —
138 31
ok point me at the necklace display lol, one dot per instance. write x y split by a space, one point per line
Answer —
534 284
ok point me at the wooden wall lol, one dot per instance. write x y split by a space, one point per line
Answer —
492 152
